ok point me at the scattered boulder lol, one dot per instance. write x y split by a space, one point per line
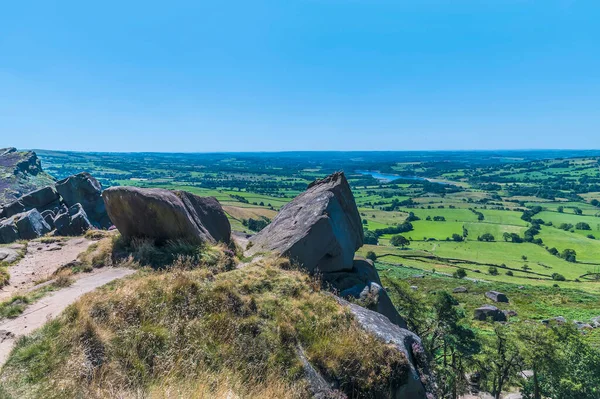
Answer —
72 221
497 296
320 229
582 326
84 189
510 313
8 255
419 384
31 224
486 312
414 287
596 322
460 290
166 215
557 320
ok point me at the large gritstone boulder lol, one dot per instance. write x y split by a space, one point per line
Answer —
72 221
83 189
362 283
320 229
419 383
166 215
44 198
489 312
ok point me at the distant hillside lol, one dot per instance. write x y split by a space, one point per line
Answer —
20 173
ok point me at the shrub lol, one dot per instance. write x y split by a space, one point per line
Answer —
509 273
582 226
558 277
460 273
493 270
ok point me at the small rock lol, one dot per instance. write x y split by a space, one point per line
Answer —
414 287
460 290
557 320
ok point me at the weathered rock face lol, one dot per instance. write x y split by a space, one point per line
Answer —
497 296
320 229
363 283
72 222
83 189
8 231
489 312
42 199
166 215
20 172
419 383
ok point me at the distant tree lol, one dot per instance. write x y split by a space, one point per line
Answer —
439 219
493 270
560 209
365 221
595 202
509 273
582 226
457 237
591 236
428 218
558 277
524 257
460 273
412 218
372 256
487 237
577 211
569 255
399 241
371 238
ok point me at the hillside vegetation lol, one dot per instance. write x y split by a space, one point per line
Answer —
198 330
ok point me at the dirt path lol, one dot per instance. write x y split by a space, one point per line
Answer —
40 261
49 307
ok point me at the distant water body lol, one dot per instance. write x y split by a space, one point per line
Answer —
387 177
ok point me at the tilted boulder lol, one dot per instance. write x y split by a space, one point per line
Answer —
84 189
486 312
363 283
166 215
72 222
497 296
419 384
320 229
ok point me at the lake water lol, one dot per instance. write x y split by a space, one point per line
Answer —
387 177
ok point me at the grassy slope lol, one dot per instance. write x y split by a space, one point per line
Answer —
193 333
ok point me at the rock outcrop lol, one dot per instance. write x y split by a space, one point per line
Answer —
20 172
166 215
487 312
320 229
72 221
83 189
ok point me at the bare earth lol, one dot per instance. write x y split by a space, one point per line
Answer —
40 262
49 307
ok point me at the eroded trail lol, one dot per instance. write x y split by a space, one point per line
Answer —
40 262
52 305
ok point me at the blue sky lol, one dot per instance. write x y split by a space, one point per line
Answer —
299 75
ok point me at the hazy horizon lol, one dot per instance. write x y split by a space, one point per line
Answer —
300 75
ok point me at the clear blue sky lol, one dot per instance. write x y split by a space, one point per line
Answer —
299 75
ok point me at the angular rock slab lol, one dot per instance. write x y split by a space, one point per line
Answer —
320 229
84 189
165 215
419 384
